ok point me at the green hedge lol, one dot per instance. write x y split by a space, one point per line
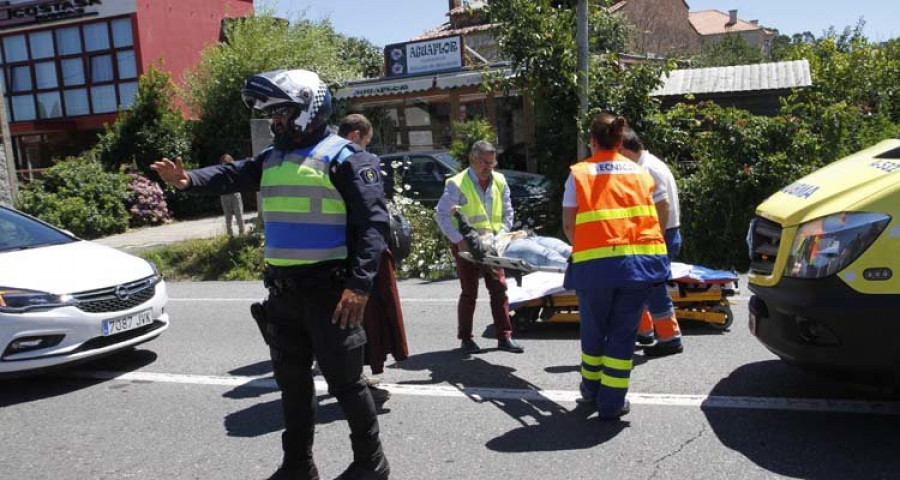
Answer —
77 195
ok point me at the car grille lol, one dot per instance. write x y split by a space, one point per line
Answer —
764 250
118 298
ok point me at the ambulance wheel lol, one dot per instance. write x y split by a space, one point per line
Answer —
524 317
729 317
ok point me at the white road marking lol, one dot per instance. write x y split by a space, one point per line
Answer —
250 300
740 299
565 396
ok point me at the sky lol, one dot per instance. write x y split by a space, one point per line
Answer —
383 22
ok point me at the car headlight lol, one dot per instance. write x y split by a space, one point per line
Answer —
826 245
17 300
156 275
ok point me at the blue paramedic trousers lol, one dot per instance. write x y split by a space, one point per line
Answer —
660 303
609 322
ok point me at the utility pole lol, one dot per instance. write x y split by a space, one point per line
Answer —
581 38
11 180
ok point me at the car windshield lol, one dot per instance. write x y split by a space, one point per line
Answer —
448 160
19 232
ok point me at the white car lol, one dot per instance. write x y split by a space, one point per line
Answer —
64 300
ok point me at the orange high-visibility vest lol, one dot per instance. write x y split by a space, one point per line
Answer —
616 218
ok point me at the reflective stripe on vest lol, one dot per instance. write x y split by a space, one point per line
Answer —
305 216
616 216
474 209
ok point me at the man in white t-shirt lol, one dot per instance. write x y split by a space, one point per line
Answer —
659 319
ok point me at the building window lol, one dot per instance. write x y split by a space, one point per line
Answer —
43 65
69 40
23 107
21 79
77 102
103 99
101 68
41 44
73 71
121 30
127 92
45 75
125 61
96 37
49 105
14 48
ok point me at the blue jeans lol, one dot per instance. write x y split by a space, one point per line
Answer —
540 251
659 302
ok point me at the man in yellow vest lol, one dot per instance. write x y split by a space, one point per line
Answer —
325 226
482 195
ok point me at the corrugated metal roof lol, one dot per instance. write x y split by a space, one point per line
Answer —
740 78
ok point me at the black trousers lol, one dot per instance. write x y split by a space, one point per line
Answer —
299 327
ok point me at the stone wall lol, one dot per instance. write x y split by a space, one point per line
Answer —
6 197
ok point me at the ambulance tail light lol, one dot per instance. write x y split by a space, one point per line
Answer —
826 245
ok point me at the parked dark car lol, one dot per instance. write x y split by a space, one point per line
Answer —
426 172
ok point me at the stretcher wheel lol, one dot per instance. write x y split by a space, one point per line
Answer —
524 317
729 317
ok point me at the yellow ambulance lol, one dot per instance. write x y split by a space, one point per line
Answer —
825 266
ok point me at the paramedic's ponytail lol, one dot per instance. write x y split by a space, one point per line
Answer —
609 130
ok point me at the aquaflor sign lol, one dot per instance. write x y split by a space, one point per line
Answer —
439 54
44 11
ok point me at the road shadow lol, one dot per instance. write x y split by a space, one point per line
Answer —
266 417
812 445
253 370
544 424
17 391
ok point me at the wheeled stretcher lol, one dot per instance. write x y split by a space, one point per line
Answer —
700 294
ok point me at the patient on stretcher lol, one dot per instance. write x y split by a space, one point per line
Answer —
537 250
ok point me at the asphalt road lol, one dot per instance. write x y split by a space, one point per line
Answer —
199 403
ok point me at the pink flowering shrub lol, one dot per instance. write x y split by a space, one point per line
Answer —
146 202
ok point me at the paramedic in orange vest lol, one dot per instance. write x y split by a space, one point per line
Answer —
618 255
658 321
483 196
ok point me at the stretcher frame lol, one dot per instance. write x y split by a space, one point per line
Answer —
694 301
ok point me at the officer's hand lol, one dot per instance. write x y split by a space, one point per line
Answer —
350 309
462 245
172 172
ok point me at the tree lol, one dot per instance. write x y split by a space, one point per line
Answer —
727 51
359 51
538 36
151 128
253 45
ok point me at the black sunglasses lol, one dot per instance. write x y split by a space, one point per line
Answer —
279 111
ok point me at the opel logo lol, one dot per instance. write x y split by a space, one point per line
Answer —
122 293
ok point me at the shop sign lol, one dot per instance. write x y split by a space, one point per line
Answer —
39 11
435 55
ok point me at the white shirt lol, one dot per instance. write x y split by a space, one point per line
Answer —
665 182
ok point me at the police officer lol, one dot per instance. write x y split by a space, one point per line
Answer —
325 230
618 254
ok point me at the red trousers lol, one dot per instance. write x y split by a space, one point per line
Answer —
495 281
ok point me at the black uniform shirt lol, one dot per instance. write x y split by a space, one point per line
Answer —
358 179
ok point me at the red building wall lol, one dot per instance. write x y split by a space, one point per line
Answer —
177 31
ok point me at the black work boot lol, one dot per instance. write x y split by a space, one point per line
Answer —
369 462
307 471
380 471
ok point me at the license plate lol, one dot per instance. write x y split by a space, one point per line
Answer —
124 324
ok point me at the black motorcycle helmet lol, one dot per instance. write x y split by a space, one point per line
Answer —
303 89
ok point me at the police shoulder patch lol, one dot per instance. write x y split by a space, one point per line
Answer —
369 176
